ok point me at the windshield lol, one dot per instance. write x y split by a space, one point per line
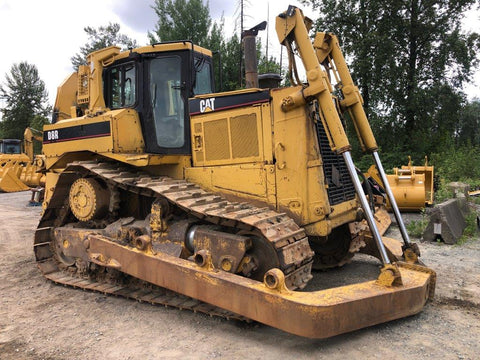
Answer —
10 148
166 100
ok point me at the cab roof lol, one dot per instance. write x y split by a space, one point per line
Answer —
164 47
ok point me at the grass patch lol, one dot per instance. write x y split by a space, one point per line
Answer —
416 228
443 193
471 230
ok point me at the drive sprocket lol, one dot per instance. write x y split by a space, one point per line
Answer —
88 199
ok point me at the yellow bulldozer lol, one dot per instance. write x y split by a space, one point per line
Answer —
160 190
20 169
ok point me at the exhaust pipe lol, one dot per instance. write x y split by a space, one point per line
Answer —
250 51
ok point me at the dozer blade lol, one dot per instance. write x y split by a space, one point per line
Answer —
317 314
382 219
9 182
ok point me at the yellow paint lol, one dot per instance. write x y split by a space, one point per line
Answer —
65 93
9 179
412 186
259 153
228 137
265 153
19 172
82 199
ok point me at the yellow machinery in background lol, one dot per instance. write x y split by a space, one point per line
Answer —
11 149
20 170
228 199
412 186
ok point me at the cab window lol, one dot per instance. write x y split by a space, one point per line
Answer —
10 148
167 102
203 78
121 86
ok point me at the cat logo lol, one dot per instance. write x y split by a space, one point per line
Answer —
207 105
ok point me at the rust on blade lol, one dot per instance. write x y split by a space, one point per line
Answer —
317 314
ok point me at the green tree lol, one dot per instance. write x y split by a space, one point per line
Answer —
99 38
269 65
216 43
38 121
25 99
190 20
409 58
468 125
230 64
181 20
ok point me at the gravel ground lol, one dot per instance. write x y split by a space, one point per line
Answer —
40 320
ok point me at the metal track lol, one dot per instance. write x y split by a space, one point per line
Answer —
288 239
154 295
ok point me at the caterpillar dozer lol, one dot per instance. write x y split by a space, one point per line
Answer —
20 169
160 190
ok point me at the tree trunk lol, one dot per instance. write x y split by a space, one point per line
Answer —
410 108
364 77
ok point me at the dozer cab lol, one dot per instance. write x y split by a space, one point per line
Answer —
11 149
160 190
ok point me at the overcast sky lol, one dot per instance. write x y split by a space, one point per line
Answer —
48 33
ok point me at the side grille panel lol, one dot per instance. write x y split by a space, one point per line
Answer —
340 186
216 140
244 136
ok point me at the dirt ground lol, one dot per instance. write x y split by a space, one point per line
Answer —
41 320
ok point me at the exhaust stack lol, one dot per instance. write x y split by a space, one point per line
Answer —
250 51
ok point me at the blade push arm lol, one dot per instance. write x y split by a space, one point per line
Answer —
328 53
291 27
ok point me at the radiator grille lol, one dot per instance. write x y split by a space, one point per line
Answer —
340 186
216 140
244 136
